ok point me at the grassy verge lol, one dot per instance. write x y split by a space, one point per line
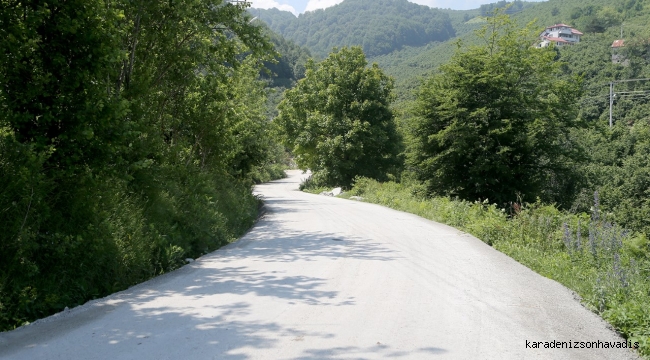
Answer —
609 267
310 186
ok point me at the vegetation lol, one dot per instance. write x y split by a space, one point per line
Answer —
379 27
606 265
338 122
493 124
289 66
412 64
501 122
282 72
615 164
130 134
508 7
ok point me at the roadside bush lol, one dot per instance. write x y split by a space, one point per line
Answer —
103 238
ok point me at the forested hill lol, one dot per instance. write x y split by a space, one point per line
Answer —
290 64
379 26
515 7
600 20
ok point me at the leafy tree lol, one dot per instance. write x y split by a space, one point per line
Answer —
130 132
338 121
493 124
555 11
639 50
605 17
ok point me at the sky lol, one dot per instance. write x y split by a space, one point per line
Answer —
300 6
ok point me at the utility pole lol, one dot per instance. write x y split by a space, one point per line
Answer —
611 103
612 95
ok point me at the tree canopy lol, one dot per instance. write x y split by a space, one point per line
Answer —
493 124
130 133
338 121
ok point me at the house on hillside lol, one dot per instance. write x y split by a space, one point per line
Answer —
559 35
618 53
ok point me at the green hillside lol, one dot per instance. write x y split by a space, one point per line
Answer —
289 66
394 22
598 19
409 60
379 26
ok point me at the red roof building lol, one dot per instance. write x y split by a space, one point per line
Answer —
559 35
618 54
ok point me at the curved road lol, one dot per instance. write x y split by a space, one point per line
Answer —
328 278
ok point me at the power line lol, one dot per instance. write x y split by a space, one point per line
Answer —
629 80
634 92
612 95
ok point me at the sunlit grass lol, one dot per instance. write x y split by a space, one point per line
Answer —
607 266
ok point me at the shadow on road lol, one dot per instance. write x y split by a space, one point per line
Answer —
202 320
274 243
210 309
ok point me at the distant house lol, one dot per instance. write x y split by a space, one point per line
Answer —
559 35
618 53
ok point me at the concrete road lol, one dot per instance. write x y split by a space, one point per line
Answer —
327 278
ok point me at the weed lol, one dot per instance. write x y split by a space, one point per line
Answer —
609 269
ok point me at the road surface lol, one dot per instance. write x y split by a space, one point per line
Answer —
327 278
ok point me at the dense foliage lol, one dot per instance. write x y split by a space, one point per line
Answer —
606 265
338 122
130 133
289 66
617 164
410 64
508 7
493 123
379 27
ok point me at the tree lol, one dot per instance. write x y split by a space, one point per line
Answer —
493 124
129 135
338 121
555 11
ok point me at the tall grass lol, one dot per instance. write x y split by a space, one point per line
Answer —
609 267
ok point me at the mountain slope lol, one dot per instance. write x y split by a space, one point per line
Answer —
379 26
290 65
596 18
408 62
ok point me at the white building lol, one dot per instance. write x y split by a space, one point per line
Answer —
559 35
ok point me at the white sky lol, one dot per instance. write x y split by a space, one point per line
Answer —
300 6
280 4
